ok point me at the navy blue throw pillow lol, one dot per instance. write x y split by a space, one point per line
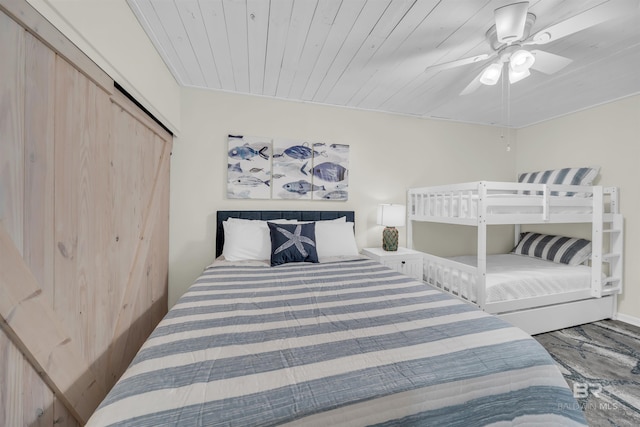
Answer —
293 243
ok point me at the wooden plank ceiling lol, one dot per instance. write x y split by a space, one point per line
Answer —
372 54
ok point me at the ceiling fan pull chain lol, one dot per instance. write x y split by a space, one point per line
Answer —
506 105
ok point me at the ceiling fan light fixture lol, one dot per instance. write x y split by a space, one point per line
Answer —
516 76
491 74
521 60
510 22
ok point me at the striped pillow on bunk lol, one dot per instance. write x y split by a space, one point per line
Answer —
560 249
565 176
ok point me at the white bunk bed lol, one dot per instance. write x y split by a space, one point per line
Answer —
484 203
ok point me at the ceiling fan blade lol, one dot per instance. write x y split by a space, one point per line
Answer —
594 16
459 62
549 63
473 86
510 21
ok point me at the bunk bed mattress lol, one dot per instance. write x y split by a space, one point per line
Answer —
344 343
512 277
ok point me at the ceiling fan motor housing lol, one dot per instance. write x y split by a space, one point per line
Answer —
492 34
510 20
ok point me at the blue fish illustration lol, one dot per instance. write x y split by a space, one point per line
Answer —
329 171
301 152
302 187
276 175
336 195
234 168
250 181
245 152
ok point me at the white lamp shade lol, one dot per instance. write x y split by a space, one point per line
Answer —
521 60
392 215
491 74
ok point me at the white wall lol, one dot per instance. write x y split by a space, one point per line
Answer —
109 33
607 136
388 154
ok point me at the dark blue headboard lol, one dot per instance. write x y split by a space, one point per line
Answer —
270 215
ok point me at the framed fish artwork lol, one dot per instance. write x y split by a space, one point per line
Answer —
261 168
249 167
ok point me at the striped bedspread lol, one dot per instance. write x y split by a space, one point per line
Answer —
337 344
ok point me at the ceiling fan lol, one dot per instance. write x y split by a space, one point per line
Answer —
511 37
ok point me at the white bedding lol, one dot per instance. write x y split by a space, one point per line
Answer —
511 277
334 344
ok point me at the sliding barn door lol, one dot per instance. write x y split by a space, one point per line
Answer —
84 194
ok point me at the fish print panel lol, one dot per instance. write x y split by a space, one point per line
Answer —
292 161
330 172
249 167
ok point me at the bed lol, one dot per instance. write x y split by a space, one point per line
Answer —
529 287
346 342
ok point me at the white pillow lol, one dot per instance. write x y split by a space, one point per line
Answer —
244 240
565 176
335 239
249 239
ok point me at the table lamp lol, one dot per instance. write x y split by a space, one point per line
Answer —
391 216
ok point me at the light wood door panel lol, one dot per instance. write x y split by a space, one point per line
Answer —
81 207
11 383
28 401
38 162
84 201
11 128
138 150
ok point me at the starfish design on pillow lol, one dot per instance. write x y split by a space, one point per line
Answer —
295 239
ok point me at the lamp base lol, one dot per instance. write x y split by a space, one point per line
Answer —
390 239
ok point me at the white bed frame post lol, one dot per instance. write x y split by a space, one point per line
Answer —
411 204
482 244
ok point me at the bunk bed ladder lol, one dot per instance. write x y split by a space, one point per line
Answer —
613 283
606 232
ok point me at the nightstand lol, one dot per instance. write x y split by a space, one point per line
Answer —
405 261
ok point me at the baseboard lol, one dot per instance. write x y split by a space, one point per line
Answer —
635 321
